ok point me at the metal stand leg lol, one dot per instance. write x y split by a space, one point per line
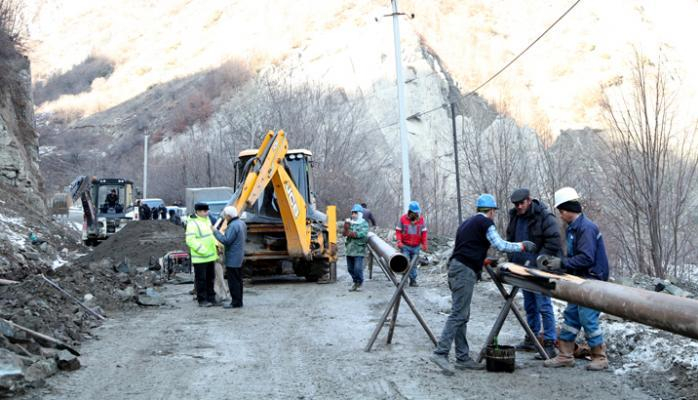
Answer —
396 308
391 304
509 305
370 265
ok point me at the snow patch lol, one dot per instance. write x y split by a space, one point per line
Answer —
58 262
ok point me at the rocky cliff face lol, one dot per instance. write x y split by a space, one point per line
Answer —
19 142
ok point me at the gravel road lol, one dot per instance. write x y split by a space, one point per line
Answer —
297 340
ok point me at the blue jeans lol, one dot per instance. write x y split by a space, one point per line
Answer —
538 305
461 281
355 266
578 317
411 253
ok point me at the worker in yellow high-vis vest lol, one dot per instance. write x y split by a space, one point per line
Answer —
202 246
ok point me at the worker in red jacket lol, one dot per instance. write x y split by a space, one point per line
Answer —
411 235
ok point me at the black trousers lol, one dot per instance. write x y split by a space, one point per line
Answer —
234 276
204 277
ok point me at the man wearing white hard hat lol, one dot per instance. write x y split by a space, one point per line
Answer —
233 239
586 257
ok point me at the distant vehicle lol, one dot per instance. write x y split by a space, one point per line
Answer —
153 202
216 198
105 203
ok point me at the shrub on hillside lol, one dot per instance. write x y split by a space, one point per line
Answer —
11 38
77 80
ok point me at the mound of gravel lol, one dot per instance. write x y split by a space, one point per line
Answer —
141 242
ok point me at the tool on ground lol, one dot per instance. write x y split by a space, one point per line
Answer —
59 344
389 259
70 296
176 261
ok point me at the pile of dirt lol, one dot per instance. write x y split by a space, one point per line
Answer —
140 242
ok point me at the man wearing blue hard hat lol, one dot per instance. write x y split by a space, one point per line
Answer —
411 235
356 232
473 239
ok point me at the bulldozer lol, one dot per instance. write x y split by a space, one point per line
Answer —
286 234
102 216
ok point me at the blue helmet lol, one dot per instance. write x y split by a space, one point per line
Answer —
486 201
414 207
357 208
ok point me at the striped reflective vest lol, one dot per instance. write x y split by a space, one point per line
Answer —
200 239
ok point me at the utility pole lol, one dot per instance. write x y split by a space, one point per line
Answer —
145 167
455 155
404 145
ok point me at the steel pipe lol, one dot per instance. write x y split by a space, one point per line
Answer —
663 311
396 261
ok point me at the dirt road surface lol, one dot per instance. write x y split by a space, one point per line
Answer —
297 340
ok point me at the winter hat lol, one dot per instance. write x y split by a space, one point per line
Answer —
571 206
520 195
200 207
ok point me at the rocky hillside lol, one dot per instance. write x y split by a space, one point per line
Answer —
556 84
19 142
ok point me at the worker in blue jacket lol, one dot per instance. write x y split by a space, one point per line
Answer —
233 239
586 257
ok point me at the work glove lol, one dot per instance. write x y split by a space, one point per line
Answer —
399 245
528 246
351 234
424 247
550 264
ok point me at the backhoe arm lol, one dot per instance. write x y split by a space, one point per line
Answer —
267 167
80 189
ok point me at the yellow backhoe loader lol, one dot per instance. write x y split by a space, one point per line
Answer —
286 234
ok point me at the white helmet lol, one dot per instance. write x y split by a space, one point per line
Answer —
564 195
230 211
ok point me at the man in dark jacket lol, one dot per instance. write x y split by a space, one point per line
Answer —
368 215
474 237
143 211
234 241
532 220
586 257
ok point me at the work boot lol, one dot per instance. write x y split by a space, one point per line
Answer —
526 345
442 362
469 364
549 347
413 283
599 362
564 359
354 287
205 304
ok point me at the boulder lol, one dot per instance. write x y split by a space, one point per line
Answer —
11 374
67 361
150 298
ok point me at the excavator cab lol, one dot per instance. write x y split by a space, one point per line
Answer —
286 233
298 164
105 202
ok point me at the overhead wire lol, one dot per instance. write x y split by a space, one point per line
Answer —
496 74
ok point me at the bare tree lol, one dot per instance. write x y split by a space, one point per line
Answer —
652 167
497 155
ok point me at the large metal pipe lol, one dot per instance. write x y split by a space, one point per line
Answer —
670 313
396 261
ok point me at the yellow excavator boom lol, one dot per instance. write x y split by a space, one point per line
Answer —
267 166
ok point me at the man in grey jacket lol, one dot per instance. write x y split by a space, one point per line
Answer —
233 239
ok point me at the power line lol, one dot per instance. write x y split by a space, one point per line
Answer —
496 74
524 50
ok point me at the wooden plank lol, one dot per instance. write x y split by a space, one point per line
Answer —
531 272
